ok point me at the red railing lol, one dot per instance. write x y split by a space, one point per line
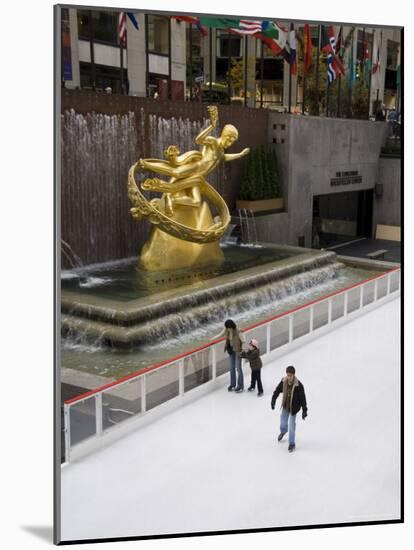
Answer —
146 370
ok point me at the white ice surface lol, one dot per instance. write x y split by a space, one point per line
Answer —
215 463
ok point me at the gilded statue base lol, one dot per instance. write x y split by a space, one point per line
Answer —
162 252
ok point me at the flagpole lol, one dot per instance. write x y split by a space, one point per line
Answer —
362 71
229 65
261 73
370 73
191 61
351 77
147 92
210 48
169 59
290 73
338 105
91 37
303 92
317 67
245 69
304 73
327 97
121 54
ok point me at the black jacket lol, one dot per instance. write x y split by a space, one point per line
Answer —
298 399
253 356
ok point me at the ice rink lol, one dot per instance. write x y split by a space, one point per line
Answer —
215 464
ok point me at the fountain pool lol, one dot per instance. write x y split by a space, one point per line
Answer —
101 304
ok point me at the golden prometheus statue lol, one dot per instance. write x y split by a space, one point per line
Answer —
184 232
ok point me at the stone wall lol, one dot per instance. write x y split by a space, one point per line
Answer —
95 218
311 150
387 208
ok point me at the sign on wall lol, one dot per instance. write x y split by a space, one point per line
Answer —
346 178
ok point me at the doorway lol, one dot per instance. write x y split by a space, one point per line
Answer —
341 217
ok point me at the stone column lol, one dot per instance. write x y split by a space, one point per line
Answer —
253 44
74 46
178 51
136 62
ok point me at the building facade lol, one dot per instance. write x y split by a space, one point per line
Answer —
170 58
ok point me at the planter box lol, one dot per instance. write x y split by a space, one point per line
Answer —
260 206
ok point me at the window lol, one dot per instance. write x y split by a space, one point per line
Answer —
105 26
392 54
222 66
104 76
228 45
195 61
158 34
272 69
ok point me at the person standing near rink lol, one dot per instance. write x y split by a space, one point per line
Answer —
233 346
294 399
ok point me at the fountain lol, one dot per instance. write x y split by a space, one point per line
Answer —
190 274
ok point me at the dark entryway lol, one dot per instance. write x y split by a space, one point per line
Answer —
341 217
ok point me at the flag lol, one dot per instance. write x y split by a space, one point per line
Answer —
219 22
192 20
339 47
291 50
367 62
307 54
274 36
271 43
351 65
328 42
328 45
247 27
122 28
133 19
273 30
333 68
377 64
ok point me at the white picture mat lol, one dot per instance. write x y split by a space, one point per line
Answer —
27 244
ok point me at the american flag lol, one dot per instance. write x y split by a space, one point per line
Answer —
377 64
248 27
193 20
122 28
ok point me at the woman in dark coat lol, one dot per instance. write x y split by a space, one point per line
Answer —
233 346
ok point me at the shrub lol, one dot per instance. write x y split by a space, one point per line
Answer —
260 176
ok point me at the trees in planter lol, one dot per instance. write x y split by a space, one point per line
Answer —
260 177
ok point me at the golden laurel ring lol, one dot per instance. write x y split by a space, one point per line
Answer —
142 208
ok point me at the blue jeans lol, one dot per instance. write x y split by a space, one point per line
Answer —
286 418
235 363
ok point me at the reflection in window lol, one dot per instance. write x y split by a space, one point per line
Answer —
392 54
228 45
105 26
105 76
195 61
158 28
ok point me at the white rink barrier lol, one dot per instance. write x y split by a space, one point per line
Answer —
100 416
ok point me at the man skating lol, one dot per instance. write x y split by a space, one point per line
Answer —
294 399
